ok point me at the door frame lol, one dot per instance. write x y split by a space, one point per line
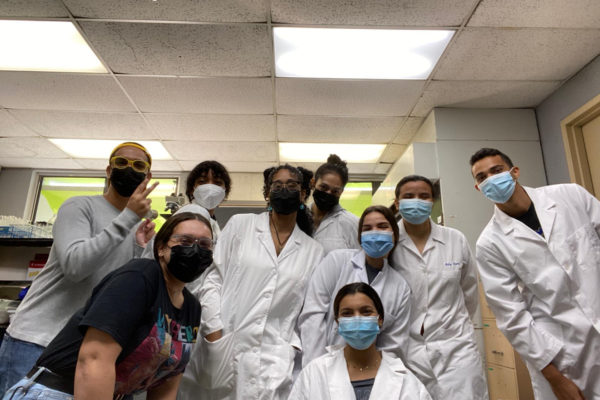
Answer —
572 133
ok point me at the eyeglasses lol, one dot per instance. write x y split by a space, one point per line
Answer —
121 162
289 185
188 241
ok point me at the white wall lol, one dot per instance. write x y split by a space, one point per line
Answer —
581 88
14 187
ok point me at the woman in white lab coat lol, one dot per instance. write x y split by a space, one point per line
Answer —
357 370
252 299
335 227
438 265
378 234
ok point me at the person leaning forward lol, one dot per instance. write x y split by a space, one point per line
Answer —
539 261
93 235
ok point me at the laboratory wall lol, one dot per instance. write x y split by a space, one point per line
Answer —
577 91
15 184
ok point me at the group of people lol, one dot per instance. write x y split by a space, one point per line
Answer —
306 300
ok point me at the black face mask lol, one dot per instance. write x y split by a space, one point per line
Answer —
126 180
285 201
188 263
325 201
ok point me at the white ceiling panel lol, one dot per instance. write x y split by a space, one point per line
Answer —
180 49
408 130
41 163
536 13
339 97
171 10
235 166
23 147
518 54
375 12
259 128
76 125
382 168
32 8
61 91
9 126
392 153
201 95
319 129
353 168
483 94
223 151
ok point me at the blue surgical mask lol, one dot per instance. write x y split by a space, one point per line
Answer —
359 332
498 188
415 211
377 243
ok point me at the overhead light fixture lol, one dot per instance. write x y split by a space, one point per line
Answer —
52 46
318 152
92 148
357 53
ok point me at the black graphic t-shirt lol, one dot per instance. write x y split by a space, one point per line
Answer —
132 305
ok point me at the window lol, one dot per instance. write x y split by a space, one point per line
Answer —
54 190
357 196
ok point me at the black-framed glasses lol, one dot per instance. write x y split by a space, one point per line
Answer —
289 185
121 162
188 241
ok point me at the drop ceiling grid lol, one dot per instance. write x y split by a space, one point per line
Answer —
172 105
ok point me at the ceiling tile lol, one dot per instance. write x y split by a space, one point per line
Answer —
518 54
214 127
172 10
356 168
69 124
223 151
536 13
382 168
235 166
32 8
374 12
10 126
24 147
319 129
40 163
392 153
346 97
408 130
61 91
201 95
483 94
180 49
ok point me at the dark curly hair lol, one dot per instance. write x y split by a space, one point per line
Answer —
218 172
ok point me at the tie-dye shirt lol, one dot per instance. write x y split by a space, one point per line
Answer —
132 305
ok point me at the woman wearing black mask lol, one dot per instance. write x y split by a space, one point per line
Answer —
136 331
335 227
263 263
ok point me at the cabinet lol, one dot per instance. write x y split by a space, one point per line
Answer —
508 378
15 255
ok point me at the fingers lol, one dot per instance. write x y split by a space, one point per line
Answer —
149 190
142 186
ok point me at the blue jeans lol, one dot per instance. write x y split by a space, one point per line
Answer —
16 360
27 389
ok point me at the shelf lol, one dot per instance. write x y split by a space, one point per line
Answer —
28 242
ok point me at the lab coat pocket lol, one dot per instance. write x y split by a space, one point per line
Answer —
217 357
278 363
450 284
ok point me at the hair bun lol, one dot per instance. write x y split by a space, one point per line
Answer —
335 159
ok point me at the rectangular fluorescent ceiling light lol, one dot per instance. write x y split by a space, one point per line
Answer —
357 53
101 149
318 152
52 46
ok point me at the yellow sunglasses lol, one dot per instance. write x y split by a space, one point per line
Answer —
121 162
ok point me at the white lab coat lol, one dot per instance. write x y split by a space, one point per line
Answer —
255 296
318 328
326 378
545 291
338 230
443 281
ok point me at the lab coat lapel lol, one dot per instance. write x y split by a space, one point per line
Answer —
389 379
292 244
545 209
405 241
515 228
338 378
360 270
264 234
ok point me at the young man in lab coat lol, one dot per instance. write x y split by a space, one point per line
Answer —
93 235
539 261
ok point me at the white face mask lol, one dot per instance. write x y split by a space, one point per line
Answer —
208 196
